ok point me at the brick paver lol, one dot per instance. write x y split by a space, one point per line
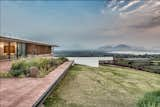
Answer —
24 92
5 66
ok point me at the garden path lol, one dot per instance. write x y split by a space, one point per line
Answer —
24 92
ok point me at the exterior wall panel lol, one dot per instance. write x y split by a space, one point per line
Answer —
33 49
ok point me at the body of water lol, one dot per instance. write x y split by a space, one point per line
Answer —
135 52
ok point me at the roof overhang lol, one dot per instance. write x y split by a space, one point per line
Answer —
10 39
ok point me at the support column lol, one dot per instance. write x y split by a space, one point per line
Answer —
9 53
17 49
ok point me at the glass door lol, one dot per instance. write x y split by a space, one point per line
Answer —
21 49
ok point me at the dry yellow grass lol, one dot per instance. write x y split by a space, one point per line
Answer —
106 86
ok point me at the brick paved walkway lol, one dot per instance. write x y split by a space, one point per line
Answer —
5 66
24 92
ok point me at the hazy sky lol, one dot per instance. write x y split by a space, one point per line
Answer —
80 24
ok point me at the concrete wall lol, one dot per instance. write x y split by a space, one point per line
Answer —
89 61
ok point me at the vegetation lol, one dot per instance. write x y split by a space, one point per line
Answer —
157 57
21 67
150 65
151 99
5 74
105 86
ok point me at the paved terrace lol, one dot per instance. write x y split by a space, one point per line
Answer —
24 92
5 66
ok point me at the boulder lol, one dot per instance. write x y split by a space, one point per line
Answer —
33 71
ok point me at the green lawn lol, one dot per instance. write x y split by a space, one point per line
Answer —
106 86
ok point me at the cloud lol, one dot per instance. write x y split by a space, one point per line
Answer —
111 3
146 15
122 1
153 22
114 8
138 22
129 5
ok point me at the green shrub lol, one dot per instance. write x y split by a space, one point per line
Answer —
5 74
33 62
63 59
43 62
19 67
19 64
22 66
130 63
17 72
151 99
54 62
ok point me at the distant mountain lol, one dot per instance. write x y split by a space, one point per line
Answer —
105 48
156 49
121 47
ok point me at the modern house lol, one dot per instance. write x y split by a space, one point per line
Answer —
12 48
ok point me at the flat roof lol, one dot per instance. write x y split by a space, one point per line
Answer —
5 38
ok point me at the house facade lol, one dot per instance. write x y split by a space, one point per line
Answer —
12 48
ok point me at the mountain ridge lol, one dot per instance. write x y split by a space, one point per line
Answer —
121 47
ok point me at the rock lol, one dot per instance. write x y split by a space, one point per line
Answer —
33 71
42 105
